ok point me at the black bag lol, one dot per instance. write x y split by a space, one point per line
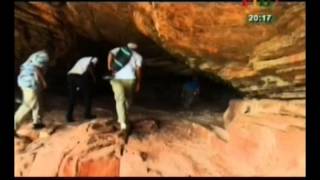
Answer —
121 58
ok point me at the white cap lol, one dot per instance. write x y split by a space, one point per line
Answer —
132 45
94 60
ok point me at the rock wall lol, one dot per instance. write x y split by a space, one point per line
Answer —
215 38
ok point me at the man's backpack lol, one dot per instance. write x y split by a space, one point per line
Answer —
121 58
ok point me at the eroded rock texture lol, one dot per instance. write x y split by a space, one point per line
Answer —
258 138
215 38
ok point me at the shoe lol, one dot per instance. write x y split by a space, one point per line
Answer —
69 118
38 126
125 131
122 132
15 134
123 127
91 116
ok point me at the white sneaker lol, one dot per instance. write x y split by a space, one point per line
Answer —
123 126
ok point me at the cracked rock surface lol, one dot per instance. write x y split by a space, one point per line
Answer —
257 138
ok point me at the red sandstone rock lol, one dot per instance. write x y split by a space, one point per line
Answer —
145 126
268 143
260 60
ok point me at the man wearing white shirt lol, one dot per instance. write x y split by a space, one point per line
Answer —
127 78
79 78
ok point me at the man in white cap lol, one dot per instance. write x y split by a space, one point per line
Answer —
31 81
125 64
80 78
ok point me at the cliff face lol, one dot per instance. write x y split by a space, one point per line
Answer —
215 38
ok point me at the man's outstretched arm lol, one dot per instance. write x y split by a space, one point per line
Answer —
139 74
41 78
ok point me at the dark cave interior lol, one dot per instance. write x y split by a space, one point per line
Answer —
161 84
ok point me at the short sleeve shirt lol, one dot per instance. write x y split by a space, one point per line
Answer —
129 70
28 77
28 70
81 66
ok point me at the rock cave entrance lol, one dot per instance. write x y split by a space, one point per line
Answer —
266 136
163 78
162 81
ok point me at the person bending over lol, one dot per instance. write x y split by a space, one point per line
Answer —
81 77
31 82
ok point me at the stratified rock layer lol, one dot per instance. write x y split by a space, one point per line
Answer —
215 38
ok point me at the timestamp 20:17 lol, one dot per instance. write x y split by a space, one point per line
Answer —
257 19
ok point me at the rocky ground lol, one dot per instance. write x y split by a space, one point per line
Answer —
251 138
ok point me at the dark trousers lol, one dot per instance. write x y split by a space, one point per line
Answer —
84 83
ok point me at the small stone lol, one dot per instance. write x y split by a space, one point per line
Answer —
221 133
44 134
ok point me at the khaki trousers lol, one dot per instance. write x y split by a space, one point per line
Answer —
123 93
29 104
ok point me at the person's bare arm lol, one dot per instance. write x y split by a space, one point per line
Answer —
42 79
139 74
110 56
